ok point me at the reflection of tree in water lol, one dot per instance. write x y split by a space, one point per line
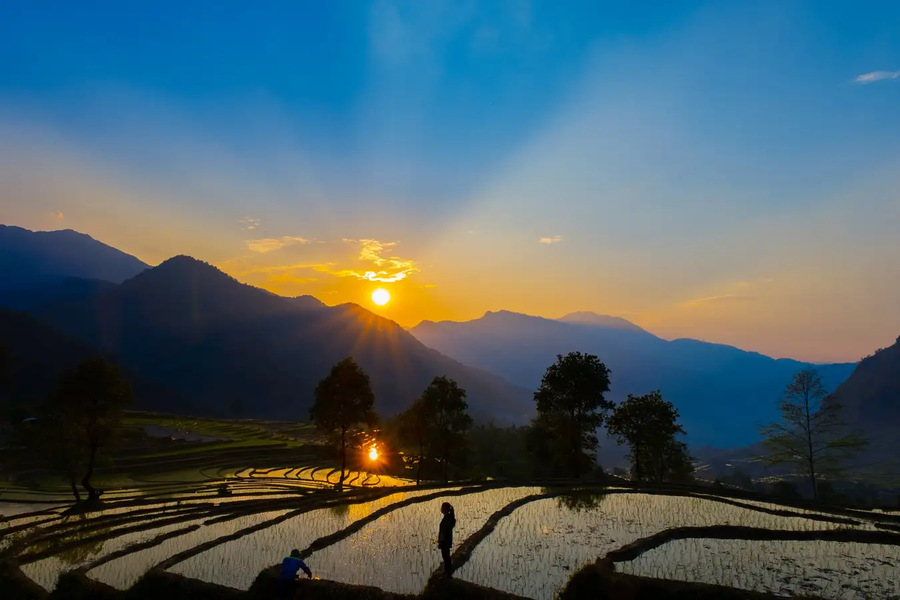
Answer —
340 510
78 553
580 500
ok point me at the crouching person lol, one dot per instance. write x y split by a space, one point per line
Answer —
290 566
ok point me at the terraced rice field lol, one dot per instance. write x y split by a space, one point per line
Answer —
828 569
236 563
564 537
385 537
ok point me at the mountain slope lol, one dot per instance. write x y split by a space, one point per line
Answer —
236 350
37 353
35 258
589 318
871 395
722 392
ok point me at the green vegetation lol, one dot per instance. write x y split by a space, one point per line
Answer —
811 436
649 424
571 406
81 420
344 403
434 426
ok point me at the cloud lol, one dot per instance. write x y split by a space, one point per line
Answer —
265 245
876 76
555 239
249 223
720 299
57 214
388 269
370 260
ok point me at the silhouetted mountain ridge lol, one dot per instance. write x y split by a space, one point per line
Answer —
722 392
592 318
232 349
37 258
871 395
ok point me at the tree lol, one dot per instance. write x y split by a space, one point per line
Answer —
649 424
59 442
811 435
344 402
86 409
436 423
445 402
413 425
571 406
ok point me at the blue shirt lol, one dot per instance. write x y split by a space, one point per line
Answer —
289 567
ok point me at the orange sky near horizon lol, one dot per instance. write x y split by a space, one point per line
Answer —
760 315
690 178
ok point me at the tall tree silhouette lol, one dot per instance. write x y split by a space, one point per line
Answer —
344 402
436 423
649 424
571 406
58 441
811 435
87 407
413 427
445 401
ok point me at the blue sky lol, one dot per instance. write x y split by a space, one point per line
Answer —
722 170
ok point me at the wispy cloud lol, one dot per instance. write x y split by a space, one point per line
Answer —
265 245
57 214
720 299
388 269
249 223
739 292
877 76
554 239
368 262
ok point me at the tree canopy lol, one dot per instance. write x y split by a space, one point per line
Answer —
436 423
649 424
571 406
811 436
84 414
344 404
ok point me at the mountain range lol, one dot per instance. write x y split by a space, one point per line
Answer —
208 344
721 392
197 341
33 258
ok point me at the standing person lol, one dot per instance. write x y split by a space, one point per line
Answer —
445 536
290 566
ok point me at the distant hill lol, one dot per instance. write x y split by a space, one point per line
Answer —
722 392
235 350
37 354
871 400
66 290
606 321
871 395
37 258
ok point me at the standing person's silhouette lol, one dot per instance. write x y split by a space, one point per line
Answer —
445 536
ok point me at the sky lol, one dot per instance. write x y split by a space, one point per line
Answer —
728 171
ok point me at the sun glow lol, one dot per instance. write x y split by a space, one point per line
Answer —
373 453
381 296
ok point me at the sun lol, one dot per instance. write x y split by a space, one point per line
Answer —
381 296
373 453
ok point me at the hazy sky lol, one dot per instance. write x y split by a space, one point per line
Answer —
721 170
